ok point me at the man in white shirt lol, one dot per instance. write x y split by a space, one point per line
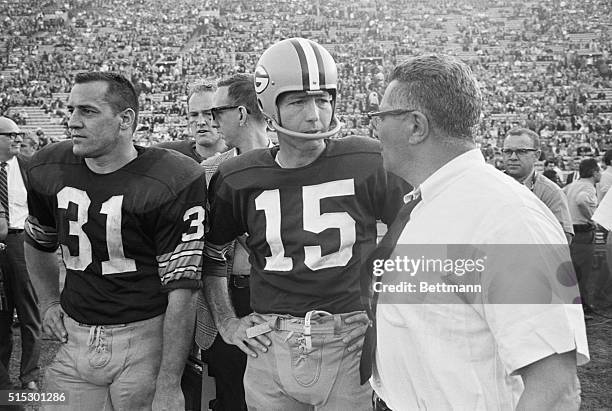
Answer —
493 352
13 196
606 177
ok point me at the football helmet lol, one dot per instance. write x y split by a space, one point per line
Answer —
295 64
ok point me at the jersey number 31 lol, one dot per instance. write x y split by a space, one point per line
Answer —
117 261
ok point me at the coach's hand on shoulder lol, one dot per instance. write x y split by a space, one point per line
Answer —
168 397
53 322
234 331
354 339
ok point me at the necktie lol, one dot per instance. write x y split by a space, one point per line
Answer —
4 188
382 252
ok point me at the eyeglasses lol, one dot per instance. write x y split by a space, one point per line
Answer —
518 151
13 135
377 116
216 110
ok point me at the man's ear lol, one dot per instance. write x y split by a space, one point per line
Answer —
243 116
418 125
128 116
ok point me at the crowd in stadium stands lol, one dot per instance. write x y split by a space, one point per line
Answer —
542 65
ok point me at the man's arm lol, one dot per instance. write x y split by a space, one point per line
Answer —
232 328
177 339
43 268
587 204
551 384
3 224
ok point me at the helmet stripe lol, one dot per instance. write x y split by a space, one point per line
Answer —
309 63
317 52
303 64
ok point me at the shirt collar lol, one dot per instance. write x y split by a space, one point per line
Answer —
449 172
12 161
530 180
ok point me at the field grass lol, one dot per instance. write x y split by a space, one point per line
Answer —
595 377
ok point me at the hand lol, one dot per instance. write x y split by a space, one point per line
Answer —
354 339
168 397
53 322
233 331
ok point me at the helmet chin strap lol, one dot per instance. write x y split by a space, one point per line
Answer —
335 124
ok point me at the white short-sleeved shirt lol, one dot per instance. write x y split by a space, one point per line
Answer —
463 356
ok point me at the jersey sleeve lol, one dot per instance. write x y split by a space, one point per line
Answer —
40 225
179 237
224 227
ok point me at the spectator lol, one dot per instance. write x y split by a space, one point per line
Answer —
520 154
22 297
582 200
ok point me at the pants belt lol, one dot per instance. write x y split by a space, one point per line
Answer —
300 326
303 326
583 228
15 230
239 281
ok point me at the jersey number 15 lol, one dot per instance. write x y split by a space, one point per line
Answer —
314 221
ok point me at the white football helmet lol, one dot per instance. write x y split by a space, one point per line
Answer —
295 64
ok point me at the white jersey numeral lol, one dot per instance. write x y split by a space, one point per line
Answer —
269 202
196 215
117 262
80 198
314 221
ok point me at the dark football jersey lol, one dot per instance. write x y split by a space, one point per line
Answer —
126 237
308 227
186 147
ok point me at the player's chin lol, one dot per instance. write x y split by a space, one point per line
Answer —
79 148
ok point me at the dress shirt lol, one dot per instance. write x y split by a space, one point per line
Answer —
605 183
582 200
463 356
17 194
554 198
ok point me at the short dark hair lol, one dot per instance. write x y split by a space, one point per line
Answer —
551 175
444 88
241 92
588 167
120 94
533 136
607 158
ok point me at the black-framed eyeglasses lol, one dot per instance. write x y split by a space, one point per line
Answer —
377 116
13 135
216 110
518 151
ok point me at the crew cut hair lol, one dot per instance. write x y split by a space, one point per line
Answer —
241 92
120 93
203 86
522 131
444 89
